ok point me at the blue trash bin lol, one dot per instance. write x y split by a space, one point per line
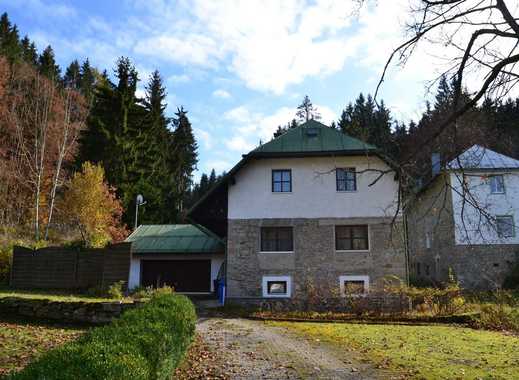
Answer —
221 291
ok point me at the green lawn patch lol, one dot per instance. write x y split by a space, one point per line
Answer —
22 341
423 352
54 295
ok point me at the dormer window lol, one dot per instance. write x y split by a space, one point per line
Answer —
346 179
497 184
282 181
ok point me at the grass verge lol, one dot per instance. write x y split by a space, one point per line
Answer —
423 352
22 341
54 295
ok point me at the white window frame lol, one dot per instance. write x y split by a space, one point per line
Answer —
353 278
513 226
267 279
490 179
352 250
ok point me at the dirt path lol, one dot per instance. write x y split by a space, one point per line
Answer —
253 350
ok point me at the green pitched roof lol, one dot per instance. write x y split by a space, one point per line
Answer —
173 238
313 137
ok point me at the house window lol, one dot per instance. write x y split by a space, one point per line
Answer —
346 179
353 285
277 286
505 226
428 240
418 269
351 238
281 181
427 270
277 239
497 184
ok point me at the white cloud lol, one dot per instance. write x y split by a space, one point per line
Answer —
221 94
239 144
250 127
176 79
205 137
218 165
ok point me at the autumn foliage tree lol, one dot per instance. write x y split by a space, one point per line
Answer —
92 207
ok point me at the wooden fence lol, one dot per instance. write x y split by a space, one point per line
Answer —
70 268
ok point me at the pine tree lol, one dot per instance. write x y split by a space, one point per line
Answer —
47 64
10 45
306 111
29 52
72 77
185 153
87 82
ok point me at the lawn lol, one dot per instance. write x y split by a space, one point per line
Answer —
53 295
423 352
22 341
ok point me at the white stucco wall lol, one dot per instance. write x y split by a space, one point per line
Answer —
471 226
135 266
314 192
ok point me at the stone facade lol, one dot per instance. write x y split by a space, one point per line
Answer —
433 251
314 261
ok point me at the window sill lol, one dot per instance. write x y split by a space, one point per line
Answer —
276 296
276 251
346 191
281 192
352 250
500 193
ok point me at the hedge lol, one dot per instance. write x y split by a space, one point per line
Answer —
145 343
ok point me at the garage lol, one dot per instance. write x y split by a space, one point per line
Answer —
186 257
187 276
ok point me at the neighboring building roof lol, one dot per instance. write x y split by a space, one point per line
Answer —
478 157
173 238
312 137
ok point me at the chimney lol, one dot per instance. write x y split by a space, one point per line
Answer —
435 164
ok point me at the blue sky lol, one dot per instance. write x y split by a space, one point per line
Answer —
239 67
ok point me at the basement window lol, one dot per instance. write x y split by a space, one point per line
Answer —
276 286
353 285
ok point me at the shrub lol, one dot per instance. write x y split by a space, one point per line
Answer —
142 292
116 290
498 317
6 256
145 343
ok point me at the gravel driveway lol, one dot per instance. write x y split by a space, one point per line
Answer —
250 349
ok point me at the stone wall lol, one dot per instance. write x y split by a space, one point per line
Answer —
66 312
70 268
475 266
315 265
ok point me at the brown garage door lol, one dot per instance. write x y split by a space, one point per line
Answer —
183 275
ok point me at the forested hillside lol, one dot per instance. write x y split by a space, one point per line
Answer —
53 121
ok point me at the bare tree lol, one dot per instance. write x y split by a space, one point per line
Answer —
483 36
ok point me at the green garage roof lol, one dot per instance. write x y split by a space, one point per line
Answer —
173 238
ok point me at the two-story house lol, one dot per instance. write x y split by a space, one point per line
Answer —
311 208
464 219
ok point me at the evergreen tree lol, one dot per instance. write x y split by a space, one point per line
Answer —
10 45
87 82
307 111
185 153
47 64
72 77
29 52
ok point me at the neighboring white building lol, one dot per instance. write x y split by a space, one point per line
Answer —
465 219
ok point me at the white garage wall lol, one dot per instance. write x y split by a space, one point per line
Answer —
135 266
